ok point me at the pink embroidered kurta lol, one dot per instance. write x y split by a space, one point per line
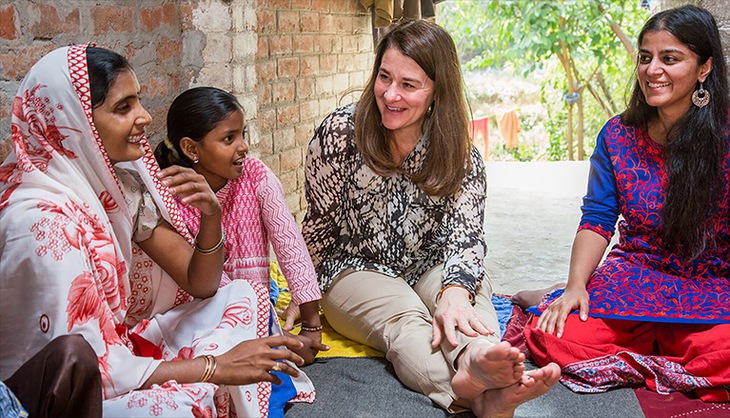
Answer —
254 215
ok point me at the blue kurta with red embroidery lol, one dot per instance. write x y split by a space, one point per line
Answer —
639 280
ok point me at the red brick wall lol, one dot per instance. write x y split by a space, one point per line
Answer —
290 62
310 52
147 32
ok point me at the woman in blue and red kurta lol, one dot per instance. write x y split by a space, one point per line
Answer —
660 302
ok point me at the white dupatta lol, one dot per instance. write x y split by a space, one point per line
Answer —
65 230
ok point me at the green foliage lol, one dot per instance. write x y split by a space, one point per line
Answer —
527 35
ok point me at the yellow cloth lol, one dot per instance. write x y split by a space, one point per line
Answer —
339 345
509 126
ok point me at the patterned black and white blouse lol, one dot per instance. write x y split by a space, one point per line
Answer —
363 221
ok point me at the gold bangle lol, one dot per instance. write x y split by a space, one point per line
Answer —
213 248
448 286
312 329
211 364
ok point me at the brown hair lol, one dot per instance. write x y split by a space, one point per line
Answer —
448 157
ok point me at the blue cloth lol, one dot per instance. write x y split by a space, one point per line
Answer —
10 406
503 306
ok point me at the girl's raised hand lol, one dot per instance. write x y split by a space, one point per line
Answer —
191 188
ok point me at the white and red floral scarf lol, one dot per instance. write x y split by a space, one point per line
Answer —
65 230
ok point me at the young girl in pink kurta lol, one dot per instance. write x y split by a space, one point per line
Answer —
206 131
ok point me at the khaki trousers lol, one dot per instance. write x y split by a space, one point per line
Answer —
386 313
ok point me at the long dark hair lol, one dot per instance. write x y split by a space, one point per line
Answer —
104 67
193 114
697 143
448 157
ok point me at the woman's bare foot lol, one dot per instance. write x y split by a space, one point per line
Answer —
526 298
483 366
501 403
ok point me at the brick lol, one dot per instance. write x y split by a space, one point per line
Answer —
305 88
327 24
321 5
350 44
327 64
308 66
287 115
245 46
169 14
266 71
185 12
345 63
309 21
8 26
111 19
267 121
341 82
266 21
284 91
14 64
325 44
365 44
50 25
280 45
262 49
308 110
271 161
343 24
288 182
324 85
263 94
303 44
287 22
284 139
303 134
266 146
168 48
274 4
151 18
301 4
213 17
287 67
291 159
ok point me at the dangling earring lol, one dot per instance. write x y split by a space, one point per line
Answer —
430 109
701 97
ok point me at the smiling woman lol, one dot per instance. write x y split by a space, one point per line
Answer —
120 118
396 197
656 309
81 165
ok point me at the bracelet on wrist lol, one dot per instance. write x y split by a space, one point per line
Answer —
449 286
211 364
212 249
312 329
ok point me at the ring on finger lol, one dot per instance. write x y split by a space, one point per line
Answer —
276 367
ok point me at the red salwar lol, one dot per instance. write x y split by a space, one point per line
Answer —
599 354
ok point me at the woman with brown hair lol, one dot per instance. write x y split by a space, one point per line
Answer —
396 199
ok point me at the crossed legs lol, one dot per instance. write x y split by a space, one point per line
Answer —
386 313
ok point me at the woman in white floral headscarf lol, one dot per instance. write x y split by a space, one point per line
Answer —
79 187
